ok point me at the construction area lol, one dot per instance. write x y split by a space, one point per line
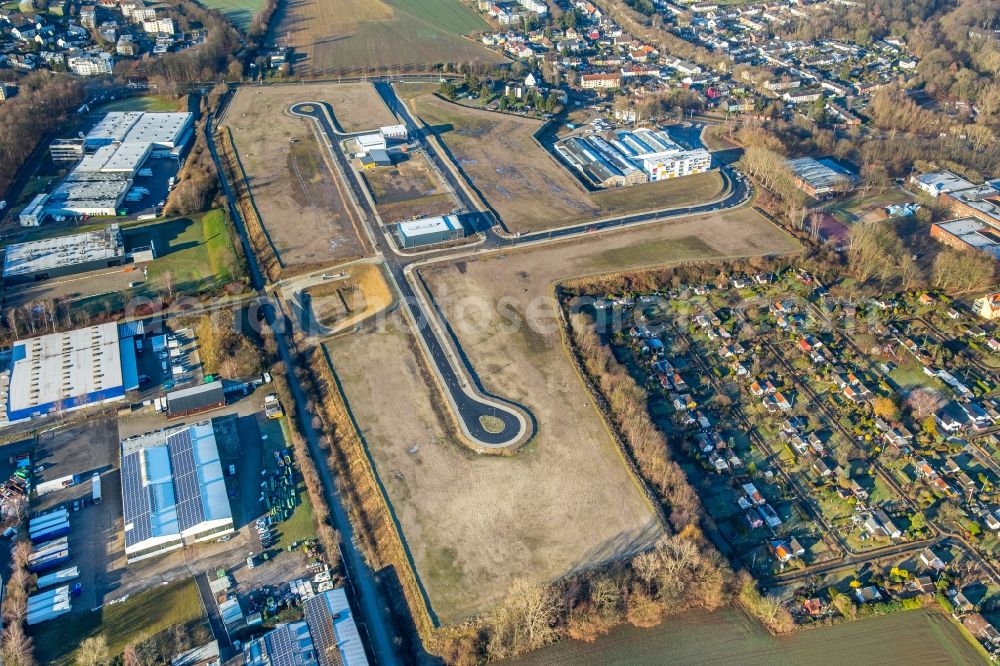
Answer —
527 186
287 169
565 502
408 189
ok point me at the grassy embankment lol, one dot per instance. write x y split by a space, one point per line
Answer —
123 624
263 248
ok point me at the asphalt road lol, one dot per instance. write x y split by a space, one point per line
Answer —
374 614
472 402
470 407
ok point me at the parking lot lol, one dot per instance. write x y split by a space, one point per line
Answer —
82 450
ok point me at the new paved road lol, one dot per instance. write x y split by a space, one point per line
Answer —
469 401
466 396
374 611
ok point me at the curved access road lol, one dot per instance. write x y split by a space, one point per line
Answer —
486 420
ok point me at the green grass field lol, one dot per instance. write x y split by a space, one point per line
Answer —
151 103
239 12
421 32
729 636
142 616
197 251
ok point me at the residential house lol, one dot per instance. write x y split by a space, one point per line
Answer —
600 81
981 628
888 527
988 306
930 560
813 607
868 594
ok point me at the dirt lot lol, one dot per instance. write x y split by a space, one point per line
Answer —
526 185
474 524
407 189
359 36
286 172
336 304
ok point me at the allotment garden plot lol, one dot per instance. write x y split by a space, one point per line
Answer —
815 427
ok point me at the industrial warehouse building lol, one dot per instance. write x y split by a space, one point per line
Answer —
327 636
173 490
968 233
369 142
429 230
66 371
66 255
394 132
195 399
819 178
112 152
631 157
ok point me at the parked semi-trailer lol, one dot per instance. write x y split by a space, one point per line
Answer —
47 547
49 561
50 532
56 484
95 488
48 605
46 518
61 576
41 599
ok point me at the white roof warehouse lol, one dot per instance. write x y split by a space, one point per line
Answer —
173 490
116 148
64 255
429 230
66 371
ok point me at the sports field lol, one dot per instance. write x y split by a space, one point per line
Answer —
476 523
239 12
306 210
356 36
526 185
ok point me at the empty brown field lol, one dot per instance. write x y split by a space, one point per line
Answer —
474 523
365 36
287 172
407 189
527 186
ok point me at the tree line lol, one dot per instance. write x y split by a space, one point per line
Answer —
42 104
